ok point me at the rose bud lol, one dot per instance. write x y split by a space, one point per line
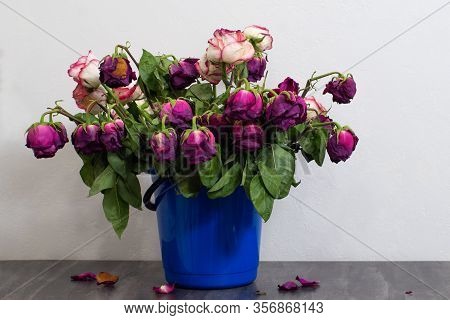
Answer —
198 145
229 46
45 140
112 135
85 71
116 72
244 105
260 36
182 74
340 146
256 67
86 139
315 108
177 114
286 110
288 84
164 145
209 71
247 137
343 90
215 122
89 100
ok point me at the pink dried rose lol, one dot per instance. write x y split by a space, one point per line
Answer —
85 276
128 94
260 36
164 289
315 108
90 100
229 46
85 71
307 283
288 286
208 70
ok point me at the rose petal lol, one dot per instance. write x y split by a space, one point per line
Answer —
85 276
307 283
408 292
165 288
106 279
288 286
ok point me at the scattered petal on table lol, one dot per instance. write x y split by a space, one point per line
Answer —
106 279
165 288
408 292
307 283
85 276
288 286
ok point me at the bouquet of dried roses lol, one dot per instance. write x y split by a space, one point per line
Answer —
201 123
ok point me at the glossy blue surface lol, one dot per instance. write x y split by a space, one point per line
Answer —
209 244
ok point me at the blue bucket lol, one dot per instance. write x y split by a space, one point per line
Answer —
208 244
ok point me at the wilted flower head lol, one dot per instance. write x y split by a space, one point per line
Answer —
244 105
256 67
178 114
85 71
247 137
288 84
343 90
260 37
86 139
286 110
229 46
208 70
198 146
116 72
341 146
315 108
164 145
183 73
90 100
45 139
112 135
128 94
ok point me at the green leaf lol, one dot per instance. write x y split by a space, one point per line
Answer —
189 186
130 190
271 179
209 172
314 144
282 162
117 163
261 198
93 165
116 210
147 69
227 184
105 180
201 91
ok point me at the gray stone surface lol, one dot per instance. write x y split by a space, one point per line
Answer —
339 280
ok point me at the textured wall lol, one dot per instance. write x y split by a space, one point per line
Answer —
393 195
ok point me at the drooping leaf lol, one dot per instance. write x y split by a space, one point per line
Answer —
188 185
200 91
209 172
104 181
227 183
116 210
261 198
314 143
117 163
271 178
130 190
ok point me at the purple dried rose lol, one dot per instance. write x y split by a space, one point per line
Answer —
198 146
256 67
183 74
215 122
247 137
178 113
116 72
244 105
46 139
341 146
288 286
343 90
288 84
286 110
112 135
164 145
86 139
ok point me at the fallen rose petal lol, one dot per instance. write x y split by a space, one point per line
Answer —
106 279
85 276
307 283
165 288
408 292
288 286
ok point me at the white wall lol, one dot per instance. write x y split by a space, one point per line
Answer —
393 194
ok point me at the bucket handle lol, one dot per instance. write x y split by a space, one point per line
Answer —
147 199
